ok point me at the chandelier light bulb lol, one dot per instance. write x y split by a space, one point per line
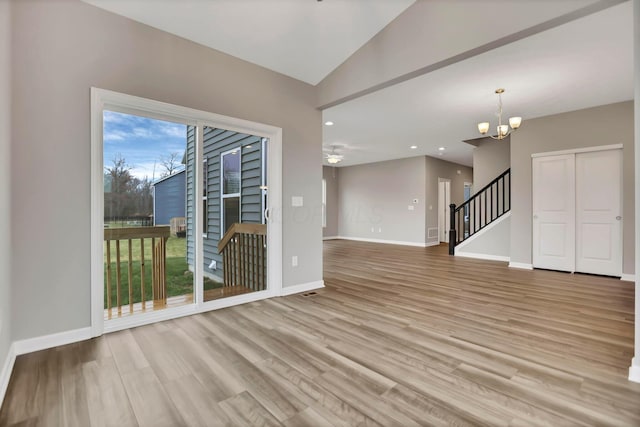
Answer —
515 122
483 127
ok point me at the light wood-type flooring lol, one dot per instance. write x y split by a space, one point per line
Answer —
400 336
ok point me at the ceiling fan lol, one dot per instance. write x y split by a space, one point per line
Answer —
333 157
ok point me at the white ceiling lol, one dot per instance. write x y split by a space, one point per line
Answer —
304 39
584 63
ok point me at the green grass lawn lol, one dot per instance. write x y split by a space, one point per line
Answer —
179 278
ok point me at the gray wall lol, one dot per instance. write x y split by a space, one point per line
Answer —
604 125
490 159
5 180
331 176
436 168
61 49
636 199
494 240
377 195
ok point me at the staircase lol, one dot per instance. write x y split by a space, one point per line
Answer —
483 208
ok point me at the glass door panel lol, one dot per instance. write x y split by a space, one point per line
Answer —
234 242
145 224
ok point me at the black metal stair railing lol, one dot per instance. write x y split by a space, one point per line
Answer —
484 207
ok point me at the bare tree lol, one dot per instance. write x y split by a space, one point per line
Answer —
124 194
170 163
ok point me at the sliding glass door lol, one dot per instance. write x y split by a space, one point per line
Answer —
180 213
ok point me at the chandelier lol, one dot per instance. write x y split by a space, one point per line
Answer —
503 130
333 158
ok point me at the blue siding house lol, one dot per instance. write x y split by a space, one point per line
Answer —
169 198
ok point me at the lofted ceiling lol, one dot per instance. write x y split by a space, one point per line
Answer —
303 39
583 63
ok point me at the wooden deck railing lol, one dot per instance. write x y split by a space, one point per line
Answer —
244 256
158 236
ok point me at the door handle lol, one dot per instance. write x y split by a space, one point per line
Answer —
618 218
267 212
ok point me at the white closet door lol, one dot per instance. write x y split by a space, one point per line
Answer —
598 212
554 212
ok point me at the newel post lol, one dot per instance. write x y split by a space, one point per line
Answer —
452 229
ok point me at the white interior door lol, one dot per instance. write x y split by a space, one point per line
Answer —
554 212
599 212
444 200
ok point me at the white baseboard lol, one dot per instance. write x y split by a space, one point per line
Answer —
634 371
5 373
304 287
520 265
389 242
331 238
36 344
483 256
628 277
49 341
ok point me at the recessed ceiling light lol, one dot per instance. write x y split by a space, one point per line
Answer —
413 147
328 123
441 149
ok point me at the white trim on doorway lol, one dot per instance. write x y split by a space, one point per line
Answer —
444 198
104 99
579 150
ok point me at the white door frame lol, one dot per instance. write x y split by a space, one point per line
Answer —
443 211
103 99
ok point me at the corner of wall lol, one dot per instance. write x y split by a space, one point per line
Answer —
7 355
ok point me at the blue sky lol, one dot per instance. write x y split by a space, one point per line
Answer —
142 142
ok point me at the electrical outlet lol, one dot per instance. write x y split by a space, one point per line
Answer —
410 207
373 230
379 229
294 261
